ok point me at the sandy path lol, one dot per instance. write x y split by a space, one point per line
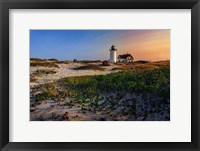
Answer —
66 70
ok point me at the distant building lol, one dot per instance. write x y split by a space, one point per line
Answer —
113 54
125 58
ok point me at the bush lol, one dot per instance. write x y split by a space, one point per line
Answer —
105 63
49 91
38 73
36 59
32 78
63 62
89 61
43 72
44 64
141 62
89 67
52 59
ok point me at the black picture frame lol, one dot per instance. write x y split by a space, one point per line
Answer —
5 5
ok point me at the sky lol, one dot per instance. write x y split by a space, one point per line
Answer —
151 45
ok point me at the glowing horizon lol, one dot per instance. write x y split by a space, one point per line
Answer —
151 45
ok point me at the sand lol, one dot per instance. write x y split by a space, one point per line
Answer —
67 70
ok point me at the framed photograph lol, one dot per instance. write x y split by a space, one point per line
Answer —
99 75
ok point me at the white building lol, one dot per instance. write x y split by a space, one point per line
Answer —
113 54
125 58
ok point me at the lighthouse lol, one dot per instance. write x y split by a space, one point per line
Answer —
113 54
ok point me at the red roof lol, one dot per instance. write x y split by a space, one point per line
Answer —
125 56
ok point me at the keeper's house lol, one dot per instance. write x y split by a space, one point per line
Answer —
125 58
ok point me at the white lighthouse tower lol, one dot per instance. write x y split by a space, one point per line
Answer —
113 54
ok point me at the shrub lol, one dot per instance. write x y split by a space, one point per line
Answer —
32 78
36 59
89 67
105 63
39 73
44 64
43 72
124 68
48 91
145 67
53 59
89 61
63 62
141 62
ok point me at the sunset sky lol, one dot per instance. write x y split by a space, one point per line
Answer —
149 45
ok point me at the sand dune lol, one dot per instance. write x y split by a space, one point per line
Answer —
67 70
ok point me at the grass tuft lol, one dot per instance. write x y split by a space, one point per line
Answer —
44 64
43 72
90 67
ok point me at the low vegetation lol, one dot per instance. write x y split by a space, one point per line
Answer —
105 63
32 78
155 82
141 65
48 91
88 61
53 59
141 89
141 62
43 72
161 63
39 73
44 64
63 62
37 59
124 68
145 67
90 67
